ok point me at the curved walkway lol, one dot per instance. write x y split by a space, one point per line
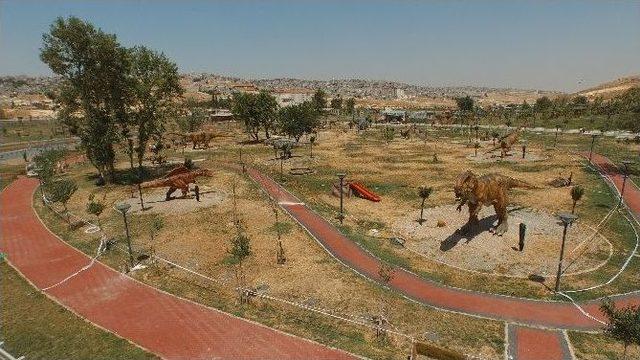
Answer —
544 314
163 324
534 329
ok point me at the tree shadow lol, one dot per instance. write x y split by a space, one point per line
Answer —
452 240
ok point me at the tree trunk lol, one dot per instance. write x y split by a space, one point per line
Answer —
422 211
140 171
573 209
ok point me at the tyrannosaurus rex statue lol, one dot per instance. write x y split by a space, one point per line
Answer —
490 189
506 142
178 178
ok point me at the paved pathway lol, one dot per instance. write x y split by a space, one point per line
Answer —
165 325
525 343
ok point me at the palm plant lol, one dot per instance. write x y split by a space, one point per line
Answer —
424 192
576 194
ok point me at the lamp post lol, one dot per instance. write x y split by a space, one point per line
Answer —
123 207
341 176
626 164
567 219
593 141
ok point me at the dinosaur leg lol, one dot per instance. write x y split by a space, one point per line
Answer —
501 211
185 191
169 192
473 222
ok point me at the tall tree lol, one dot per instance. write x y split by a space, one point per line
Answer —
267 112
244 109
298 120
350 105
465 104
336 102
93 97
154 84
257 111
319 100
623 324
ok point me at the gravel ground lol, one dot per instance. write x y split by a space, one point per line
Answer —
488 253
154 201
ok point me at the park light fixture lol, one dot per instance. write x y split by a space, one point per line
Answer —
567 220
625 175
341 176
593 141
123 208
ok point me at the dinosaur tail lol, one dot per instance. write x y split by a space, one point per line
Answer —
153 183
515 183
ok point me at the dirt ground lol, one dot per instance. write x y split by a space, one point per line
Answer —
485 252
198 235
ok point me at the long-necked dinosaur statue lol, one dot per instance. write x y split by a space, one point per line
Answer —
200 139
178 178
490 189
506 142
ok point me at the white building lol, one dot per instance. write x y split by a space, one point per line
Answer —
292 96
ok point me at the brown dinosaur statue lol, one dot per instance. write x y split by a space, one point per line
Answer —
178 178
490 189
506 142
200 139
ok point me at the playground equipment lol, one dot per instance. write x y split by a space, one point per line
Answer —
353 187
363 192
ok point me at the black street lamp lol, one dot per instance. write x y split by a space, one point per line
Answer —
626 164
593 141
341 176
123 207
567 219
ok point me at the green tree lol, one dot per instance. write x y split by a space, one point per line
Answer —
156 225
423 192
154 84
623 324
93 68
46 162
298 120
95 207
240 249
350 105
542 105
193 118
244 108
319 100
336 103
60 191
267 112
576 194
465 103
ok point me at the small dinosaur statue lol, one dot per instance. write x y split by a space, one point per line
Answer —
506 142
178 178
490 189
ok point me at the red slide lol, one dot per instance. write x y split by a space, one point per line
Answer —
363 192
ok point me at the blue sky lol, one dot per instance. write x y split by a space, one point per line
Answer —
559 45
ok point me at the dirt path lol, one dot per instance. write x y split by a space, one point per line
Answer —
161 323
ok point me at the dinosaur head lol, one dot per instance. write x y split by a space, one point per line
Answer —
465 185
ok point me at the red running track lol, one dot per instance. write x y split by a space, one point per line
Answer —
546 314
161 323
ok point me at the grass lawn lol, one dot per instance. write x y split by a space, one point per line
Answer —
34 326
589 346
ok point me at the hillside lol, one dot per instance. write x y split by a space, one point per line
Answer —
612 88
